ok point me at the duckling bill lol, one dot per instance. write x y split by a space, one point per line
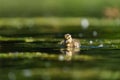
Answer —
69 42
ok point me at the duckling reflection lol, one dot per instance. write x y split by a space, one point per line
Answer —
69 52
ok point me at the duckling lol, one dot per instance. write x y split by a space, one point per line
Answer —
69 42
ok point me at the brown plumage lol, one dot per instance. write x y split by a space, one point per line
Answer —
68 42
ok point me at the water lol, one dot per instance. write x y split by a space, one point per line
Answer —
42 59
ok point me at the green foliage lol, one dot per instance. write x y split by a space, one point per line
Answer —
66 8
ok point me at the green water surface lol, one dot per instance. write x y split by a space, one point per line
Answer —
41 59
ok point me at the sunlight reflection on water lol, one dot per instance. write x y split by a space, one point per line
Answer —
84 23
27 73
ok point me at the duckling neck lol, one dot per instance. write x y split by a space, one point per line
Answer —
69 40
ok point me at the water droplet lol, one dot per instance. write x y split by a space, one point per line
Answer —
95 33
91 42
84 23
61 57
27 73
101 45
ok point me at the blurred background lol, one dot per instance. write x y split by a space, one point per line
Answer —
35 17
60 8
31 30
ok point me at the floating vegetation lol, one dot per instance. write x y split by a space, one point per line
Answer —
45 56
34 57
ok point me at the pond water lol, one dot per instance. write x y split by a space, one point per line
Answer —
42 59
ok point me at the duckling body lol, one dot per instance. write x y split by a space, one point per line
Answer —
69 42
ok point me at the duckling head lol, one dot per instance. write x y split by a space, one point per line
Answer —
67 36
